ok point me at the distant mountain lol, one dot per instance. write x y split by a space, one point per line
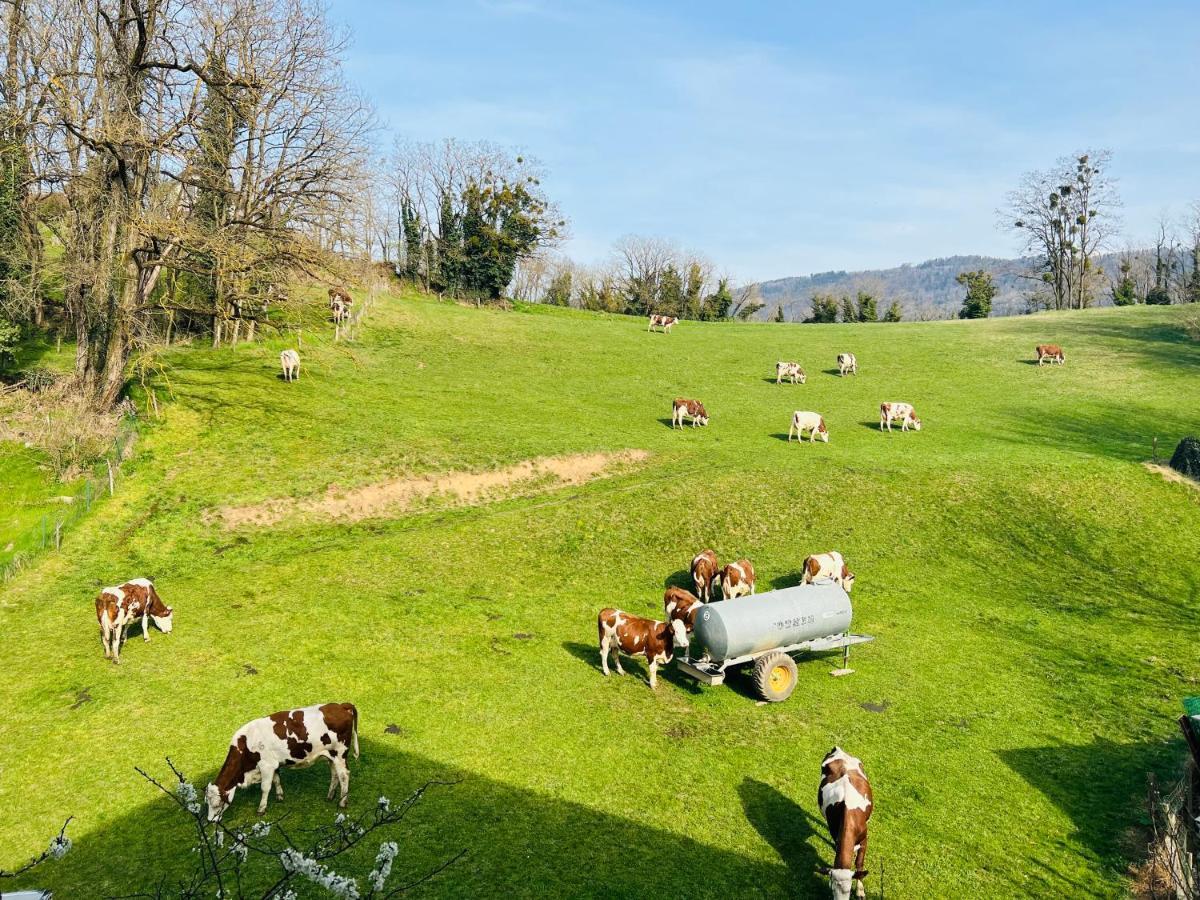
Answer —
925 290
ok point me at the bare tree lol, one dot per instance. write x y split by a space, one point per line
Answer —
1065 216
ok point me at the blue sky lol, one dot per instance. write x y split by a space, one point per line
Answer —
784 139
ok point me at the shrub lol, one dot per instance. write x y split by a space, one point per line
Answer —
1186 459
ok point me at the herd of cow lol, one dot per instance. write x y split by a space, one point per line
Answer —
298 738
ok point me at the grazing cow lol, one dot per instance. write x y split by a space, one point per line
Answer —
821 566
690 409
790 370
846 803
813 423
705 570
290 361
898 412
847 363
117 607
1051 352
293 738
680 603
634 636
737 579
666 323
339 295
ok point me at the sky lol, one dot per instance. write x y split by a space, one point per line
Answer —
791 138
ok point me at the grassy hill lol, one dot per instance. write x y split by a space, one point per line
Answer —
1031 586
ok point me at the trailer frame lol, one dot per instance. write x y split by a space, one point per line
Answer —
713 672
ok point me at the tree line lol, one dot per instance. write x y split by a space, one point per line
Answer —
183 158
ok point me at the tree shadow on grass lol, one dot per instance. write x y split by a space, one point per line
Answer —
789 828
519 842
1120 431
680 579
1101 786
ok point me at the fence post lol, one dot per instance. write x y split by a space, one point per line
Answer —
108 462
58 534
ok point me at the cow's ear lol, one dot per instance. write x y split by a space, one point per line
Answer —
824 870
861 874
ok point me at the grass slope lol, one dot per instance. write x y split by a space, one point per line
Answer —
1032 588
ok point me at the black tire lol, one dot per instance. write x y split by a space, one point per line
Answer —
775 677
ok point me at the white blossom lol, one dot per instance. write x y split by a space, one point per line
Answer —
59 846
186 792
341 817
260 829
384 803
338 885
383 864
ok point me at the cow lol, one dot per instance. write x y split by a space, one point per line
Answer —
117 607
737 579
289 360
680 603
666 323
847 363
634 636
898 412
689 409
339 295
340 311
813 423
790 370
845 799
822 566
1051 352
292 738
705 570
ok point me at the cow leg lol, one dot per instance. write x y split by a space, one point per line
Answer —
654 673
267 772
790 429
617 659
859 862
343 776
333 779
104 638
604 648
278 786
146 624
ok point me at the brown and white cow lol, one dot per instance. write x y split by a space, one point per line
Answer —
898 412
828 566
289 361
340 312
689 409
666 323
813 423
737 579
790 370
1051 352
705 570
634 636
339 295
293 738
846 803
117 607
680 603
847 363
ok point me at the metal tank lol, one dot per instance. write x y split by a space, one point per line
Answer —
745 626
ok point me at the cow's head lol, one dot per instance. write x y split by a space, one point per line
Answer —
165 622
841 881
914 422
847 579
800 374
217 800
679 633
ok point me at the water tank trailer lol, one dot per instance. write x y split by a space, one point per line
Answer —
766 629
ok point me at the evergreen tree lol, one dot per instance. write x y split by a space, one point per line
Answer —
717 304
410 233
867 311
894 312
1191 288
849 313
559 291
669 301
693 301
980 293
1124 291
824 309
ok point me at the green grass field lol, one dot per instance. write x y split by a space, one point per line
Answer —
1032 587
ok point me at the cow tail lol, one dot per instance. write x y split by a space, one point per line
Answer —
354 727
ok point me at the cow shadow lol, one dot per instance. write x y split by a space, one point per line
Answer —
781 436
873 425
794 579
833 371
680 579
785 383
667 421
791 830
514 837
1028 362
634 666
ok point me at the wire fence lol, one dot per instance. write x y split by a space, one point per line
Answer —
1172 873
50 529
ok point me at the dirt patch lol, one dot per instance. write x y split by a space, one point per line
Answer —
876 707
1170 474
398 495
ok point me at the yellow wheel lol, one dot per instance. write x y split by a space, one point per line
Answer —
775 676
